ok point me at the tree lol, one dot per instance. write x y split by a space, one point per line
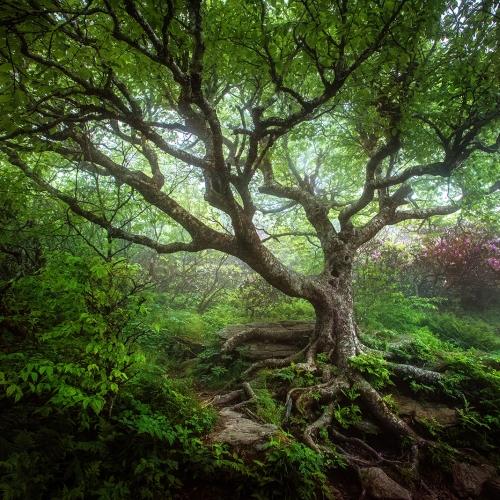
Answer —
324 120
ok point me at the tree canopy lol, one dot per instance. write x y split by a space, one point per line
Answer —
370 113
185 126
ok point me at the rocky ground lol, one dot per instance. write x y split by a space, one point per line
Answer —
246 436
240 428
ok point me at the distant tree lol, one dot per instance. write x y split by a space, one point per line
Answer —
243 122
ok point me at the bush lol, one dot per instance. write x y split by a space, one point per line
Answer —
463 332
81 414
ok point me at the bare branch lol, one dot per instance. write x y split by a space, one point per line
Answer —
203 236
278 209
291 233
366 197
114 232
316 211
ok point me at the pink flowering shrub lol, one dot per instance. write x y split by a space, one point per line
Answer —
462 263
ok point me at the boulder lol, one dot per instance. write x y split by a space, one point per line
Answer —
236 430
492 487
256 350
469 480
426 410
379 485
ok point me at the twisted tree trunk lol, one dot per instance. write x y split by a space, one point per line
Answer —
336 338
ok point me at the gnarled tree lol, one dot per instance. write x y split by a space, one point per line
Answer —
347 115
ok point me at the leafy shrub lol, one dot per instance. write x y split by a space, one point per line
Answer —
138 452
81 414
463 332
267 407
463 262
376 368
421 347
473 383
292 470
347 415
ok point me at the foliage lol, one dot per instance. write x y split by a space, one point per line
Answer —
138 452
286 134
261 300
464 332
235 127
93 311
294 471
421 347
376 368
267 407
347 415
383 266
72 424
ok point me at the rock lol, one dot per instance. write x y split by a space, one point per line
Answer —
426 410
419 495
257 350
468 480
230 331
290 325
263 350
335 493
492 487
379 485
237 430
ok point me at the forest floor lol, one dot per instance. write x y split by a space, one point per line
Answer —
432 481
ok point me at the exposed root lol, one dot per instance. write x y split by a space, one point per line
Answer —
382 412
330 390
253 416
251 395
363 349
325 421
401 343
351 460
327 374
322 421
378 408
263 334
223 399
414 456
306 367
345 447
358 442
303 391
419 374
310 363
273 363
311 354
248 389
